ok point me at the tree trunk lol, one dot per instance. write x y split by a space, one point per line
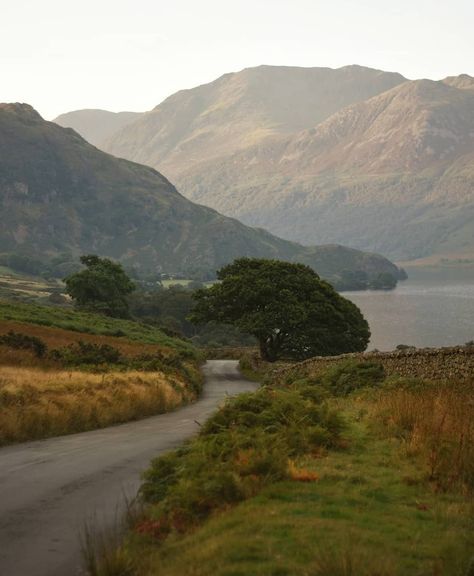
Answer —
267 350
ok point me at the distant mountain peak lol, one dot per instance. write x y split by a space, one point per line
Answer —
242 109
96 125
463 81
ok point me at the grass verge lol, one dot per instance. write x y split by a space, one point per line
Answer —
356 499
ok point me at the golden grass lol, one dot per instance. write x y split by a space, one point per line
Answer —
38 403
436 422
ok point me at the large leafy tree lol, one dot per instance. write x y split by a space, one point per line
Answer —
102 287
286 306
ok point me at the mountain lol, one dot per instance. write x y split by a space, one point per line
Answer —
240 110
394 174
60 194
353 156
463 81
96 126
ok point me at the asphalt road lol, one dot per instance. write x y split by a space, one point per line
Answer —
50 488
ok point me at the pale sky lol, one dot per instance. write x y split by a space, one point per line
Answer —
60 55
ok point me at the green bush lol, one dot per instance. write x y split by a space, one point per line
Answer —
344 378
24 342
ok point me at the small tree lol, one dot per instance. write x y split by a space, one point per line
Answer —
286 307
102 287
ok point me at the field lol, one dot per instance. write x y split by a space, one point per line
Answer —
183 282
89 371
390 495
24 288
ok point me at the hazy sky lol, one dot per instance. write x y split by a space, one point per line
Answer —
60 55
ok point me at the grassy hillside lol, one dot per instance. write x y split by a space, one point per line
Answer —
62 195
86 323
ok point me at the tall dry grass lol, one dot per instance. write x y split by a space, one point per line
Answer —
435 421
37 403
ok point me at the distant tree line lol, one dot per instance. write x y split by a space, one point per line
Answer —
360 280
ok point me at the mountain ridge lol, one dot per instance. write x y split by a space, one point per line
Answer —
240 108
96 125
399 160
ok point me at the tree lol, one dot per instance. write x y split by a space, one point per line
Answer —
102 287
286 307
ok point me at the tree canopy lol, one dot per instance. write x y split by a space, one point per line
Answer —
286 307
102 287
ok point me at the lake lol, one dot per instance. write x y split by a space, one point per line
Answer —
434 307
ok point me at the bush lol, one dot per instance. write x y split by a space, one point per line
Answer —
24 342
347 377
86 353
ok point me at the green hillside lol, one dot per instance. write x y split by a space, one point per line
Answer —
62 195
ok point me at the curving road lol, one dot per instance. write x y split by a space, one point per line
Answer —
50 488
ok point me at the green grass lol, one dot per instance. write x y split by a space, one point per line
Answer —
88 323
4 271
371 513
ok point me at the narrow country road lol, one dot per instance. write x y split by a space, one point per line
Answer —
50 488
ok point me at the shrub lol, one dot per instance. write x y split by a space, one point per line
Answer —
87 353
347 377
24 342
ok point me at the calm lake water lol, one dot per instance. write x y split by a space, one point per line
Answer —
434 307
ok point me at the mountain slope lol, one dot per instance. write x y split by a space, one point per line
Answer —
96 126
240 110
58 193
390 171
393 174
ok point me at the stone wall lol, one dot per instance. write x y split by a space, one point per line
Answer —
428 363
